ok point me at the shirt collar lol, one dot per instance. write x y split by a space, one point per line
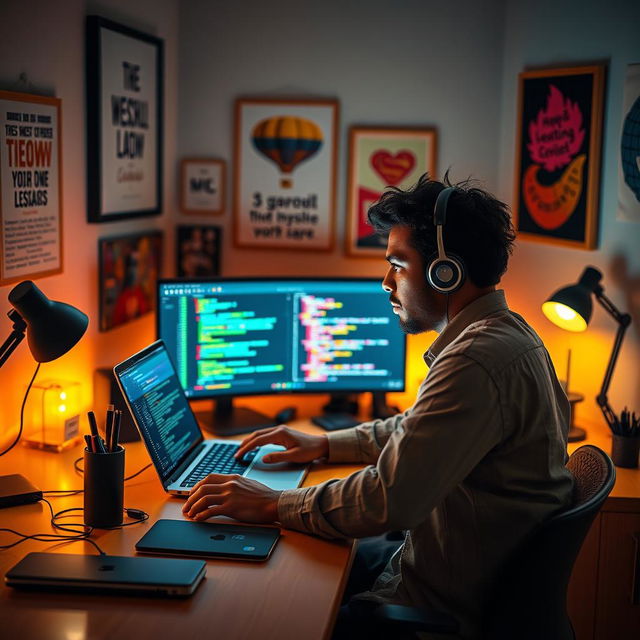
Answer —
480 308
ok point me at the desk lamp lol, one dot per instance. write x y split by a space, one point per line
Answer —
52 328
570 308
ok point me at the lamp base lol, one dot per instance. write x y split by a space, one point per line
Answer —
576 434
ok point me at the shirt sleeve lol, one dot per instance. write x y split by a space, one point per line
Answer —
455 422
364 442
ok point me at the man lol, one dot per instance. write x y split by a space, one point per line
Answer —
476 463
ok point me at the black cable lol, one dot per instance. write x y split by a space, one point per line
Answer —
78 535
24 402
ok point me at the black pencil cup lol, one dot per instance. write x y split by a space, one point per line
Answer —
103 488
625 451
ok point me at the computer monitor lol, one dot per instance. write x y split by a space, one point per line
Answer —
235 337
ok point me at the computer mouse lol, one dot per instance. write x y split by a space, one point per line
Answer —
248 457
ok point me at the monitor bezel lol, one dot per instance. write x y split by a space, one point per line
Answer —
272 392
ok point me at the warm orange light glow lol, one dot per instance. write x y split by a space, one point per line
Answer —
563 316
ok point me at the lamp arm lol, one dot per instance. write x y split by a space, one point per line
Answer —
15 337
624 320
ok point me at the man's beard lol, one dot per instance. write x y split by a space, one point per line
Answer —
411 326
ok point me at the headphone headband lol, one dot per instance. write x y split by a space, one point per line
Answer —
440 210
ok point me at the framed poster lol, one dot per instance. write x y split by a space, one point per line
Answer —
378 158
558 155
197 251
129 268
30 187
202 185
629 154
124 121
284 177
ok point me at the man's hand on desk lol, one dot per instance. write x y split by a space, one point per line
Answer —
300 447
233 496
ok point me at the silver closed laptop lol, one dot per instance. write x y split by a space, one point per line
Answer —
172 436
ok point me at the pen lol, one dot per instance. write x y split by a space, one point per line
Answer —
116 430
108 427
87 439
92 424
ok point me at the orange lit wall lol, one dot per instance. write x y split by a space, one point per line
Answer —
45 40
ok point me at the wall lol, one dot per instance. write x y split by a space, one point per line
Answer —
388 63
45 40
542 34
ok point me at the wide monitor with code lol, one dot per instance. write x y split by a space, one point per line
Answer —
232 337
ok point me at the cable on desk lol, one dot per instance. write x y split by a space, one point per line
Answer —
24 401
137 514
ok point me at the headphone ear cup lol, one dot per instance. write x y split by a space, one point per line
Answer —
446 275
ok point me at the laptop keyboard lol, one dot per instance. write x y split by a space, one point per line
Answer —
219 459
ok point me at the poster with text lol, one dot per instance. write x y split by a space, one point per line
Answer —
629 152
558 155
124 120
381 158
284 178
30 187
202 185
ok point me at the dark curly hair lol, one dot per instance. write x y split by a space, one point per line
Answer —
478 228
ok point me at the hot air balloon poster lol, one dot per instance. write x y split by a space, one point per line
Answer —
558 155
284 178
378 158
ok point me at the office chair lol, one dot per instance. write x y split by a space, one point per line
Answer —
529 600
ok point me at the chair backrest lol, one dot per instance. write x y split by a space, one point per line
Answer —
531 593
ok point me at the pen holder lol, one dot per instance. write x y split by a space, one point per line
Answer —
103 488
625 451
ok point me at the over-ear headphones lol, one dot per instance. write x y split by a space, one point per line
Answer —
445 272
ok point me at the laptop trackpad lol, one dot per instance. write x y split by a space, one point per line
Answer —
278 476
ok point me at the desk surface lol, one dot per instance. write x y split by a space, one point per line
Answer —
294 595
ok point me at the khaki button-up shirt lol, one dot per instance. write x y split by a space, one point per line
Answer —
468 470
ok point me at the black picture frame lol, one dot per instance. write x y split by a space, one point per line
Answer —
198 250
130 185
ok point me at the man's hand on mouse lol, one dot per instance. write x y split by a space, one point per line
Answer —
233 496
300 447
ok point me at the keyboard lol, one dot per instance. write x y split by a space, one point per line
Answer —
219 459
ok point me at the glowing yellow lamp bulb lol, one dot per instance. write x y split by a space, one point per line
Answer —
62 408
63 395
563 316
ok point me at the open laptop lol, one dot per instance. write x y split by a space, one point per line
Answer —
180 454
104 573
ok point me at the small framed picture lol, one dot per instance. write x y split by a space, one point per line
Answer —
559 140
124 121
202 185
129 269
284 173
380 157
197 251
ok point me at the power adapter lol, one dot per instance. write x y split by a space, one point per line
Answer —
16 489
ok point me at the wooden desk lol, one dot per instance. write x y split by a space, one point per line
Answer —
600 593
294 595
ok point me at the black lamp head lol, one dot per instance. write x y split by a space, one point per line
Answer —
52 327
571 307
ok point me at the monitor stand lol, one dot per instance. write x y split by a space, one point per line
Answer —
379 406
227 420
339 413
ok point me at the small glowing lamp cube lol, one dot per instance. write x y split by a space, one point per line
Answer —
52 415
